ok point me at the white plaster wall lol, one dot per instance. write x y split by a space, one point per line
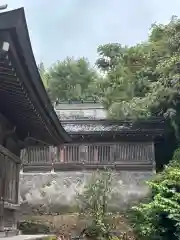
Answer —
59 190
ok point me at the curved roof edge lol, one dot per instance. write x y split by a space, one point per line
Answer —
15 22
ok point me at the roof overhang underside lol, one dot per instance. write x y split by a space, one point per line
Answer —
23 98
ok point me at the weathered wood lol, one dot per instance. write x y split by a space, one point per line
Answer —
112 152
9 154
2 192
18 166
9 184
37 168
127 153
33 155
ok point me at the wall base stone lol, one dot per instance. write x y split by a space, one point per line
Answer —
57 192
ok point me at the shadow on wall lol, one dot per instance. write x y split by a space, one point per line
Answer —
57 192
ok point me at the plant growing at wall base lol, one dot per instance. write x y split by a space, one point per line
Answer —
159 219
34 227
94 204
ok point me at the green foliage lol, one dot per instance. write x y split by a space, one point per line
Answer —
135 82
52 238
175 162
176 155
143 80
34 227
72 80
94 203
109 56
160 217
44 75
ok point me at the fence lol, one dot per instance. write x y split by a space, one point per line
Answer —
88 155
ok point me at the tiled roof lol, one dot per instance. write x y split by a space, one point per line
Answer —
93 127
85 126
80 114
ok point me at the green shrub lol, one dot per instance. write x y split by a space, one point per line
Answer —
176 159
159 219
94 203
33 227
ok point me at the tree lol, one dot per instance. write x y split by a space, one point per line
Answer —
44 75
109 56
72 80
143 80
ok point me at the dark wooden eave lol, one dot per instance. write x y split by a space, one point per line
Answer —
23 98
114 130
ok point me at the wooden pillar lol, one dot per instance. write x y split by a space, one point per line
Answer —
61 154
17 182
1 214
111 159
2 206
15 215
2 193
153 157
96 154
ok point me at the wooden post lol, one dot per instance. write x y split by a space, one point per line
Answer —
61 154
2 208
153 157
96 154
17 182
2 193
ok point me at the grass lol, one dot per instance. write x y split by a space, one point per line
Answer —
74 224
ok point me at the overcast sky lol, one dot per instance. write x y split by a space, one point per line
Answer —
60 28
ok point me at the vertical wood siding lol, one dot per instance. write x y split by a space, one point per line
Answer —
9 177
90 153
9 186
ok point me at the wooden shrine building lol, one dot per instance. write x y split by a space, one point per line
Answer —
28 122
145 145
27 117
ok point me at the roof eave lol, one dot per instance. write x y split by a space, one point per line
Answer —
16 20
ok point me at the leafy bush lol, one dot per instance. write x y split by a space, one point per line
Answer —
33 227
176 159
94 202
160 217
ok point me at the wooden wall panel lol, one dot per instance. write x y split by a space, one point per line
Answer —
101 153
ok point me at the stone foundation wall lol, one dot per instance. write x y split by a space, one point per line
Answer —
57 192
